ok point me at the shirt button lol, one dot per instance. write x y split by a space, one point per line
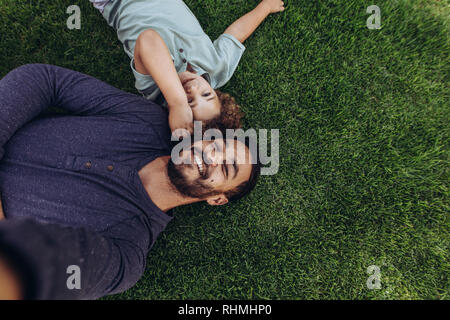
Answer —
88 165
181 50
184 60
110 168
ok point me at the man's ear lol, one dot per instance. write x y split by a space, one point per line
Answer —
217 200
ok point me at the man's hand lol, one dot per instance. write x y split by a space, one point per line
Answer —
10 282
181 117
2 215
273 5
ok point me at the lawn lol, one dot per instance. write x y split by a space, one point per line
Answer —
364 149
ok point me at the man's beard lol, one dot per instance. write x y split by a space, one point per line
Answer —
194 189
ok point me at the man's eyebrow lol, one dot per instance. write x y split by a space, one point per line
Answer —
235 166
236 169
225 170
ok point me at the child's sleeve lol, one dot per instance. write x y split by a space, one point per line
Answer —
230 51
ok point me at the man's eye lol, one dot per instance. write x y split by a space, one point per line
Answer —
207 94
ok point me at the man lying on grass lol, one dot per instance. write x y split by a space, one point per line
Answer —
172 58
94 189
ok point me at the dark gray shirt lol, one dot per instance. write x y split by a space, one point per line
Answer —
76 177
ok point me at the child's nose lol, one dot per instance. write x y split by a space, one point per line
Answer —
192 87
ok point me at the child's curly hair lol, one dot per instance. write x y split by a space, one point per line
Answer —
230 114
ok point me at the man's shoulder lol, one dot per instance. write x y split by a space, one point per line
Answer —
150 114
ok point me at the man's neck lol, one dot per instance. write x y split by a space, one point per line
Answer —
156 182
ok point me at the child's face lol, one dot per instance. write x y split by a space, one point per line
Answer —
201 97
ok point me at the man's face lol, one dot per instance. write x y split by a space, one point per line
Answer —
211 168
202 98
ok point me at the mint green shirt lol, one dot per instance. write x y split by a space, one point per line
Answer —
179 28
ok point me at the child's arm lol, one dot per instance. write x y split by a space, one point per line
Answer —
151 56
242 28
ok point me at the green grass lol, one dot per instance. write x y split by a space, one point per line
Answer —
363 118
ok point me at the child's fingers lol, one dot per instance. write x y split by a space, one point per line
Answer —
278 6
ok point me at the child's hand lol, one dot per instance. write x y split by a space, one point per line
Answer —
273 5
181 117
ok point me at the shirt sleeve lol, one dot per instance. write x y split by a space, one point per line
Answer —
100 4
229 50
28 90
59 262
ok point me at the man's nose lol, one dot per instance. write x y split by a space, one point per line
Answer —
215 158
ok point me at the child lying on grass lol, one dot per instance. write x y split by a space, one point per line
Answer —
171 55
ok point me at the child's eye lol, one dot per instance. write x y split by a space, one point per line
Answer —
207 94
190 100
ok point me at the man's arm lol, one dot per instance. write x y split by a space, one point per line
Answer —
242 28
2 214
152 57
30 89
48 261
10 283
